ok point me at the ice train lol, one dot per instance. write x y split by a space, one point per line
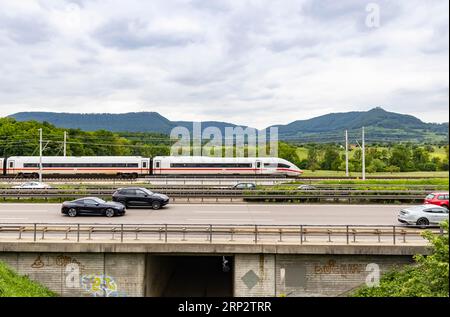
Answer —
136 166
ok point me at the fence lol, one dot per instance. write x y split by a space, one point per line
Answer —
213 233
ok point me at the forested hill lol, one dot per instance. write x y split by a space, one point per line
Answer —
380 124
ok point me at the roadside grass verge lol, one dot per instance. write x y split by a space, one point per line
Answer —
15 285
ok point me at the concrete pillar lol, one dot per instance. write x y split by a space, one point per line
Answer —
254 275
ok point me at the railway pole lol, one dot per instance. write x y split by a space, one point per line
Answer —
363 156
65 140
346 153
40 155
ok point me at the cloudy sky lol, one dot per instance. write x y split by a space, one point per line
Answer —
254 62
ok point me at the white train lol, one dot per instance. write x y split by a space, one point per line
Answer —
134 166
69 165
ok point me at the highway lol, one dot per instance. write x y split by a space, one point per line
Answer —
215 214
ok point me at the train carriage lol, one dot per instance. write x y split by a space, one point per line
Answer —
134 166
70 165
195 165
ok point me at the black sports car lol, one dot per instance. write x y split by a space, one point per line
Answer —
92 206
140 197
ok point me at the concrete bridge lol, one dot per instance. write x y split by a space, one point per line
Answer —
114 268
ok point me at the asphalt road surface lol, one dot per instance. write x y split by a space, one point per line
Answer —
216 214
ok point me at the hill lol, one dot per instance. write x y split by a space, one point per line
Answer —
381 125
122 122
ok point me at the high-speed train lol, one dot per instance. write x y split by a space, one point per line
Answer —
134 166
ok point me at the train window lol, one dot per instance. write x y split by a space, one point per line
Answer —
158 164
258 164
81 165
281 165
212 165
144 164
11 164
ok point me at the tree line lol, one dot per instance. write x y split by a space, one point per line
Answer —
400 157
21 138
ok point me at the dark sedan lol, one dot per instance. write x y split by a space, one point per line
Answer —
245 186
92 206
140 197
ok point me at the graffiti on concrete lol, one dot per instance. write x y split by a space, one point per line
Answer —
345 268
100 285
63 260
60 261
38 263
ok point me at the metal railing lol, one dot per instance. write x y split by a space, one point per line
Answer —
248 195
214 233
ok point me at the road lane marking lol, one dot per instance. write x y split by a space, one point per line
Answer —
228 219
206 205
232 211
32 211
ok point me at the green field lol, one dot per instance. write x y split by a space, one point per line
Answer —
438 152
320 173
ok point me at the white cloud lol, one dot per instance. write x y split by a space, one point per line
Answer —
249 62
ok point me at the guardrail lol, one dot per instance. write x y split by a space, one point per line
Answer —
205 177
230 194
213 233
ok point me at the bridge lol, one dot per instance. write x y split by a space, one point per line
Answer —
101 259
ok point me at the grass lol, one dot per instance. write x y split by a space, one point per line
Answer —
15 285
374 184
321 173
439 152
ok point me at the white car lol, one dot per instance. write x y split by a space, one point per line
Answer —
423 215
32 185
306 187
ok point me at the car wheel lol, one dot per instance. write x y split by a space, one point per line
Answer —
423 222
156 205
72 212
109 212
123 202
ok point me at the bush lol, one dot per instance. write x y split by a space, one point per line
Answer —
428 277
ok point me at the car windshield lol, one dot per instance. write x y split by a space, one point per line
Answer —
430 196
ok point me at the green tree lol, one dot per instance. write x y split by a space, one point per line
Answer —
420 158
331 159
312 158
401 157
288 152
428 277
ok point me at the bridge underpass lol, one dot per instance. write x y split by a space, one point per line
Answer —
185 276
190 269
